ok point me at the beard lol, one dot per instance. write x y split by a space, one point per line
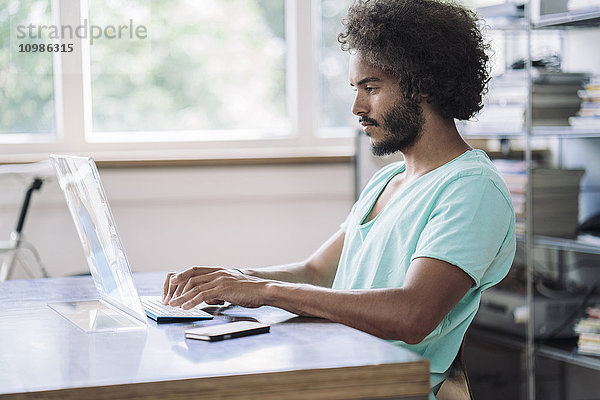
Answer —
402 124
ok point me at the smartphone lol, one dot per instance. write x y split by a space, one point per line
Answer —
230 330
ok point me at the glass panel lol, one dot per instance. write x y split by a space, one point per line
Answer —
335 93
26 80
202 65
96 316
80 183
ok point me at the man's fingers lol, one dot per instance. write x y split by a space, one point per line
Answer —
178 290
190 294
199 298
171 289
191 272
166 285
196 281
176 285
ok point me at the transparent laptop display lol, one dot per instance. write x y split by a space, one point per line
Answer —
80 182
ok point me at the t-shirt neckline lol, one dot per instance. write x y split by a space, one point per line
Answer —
401 168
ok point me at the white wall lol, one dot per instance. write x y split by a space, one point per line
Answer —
170 218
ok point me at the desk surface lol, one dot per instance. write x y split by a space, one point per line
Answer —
43 355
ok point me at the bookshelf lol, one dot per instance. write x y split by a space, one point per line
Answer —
542 17
560 15
580 245
563 350
564 132
525 139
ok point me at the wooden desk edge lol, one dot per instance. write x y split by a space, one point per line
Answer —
409 380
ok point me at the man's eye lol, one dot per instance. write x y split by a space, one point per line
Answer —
370 89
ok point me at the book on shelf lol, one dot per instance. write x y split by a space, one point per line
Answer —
588 329
588 116
588 122
591 93
514 174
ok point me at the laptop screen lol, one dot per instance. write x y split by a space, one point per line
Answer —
80 182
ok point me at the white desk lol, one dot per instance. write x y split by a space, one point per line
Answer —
44 356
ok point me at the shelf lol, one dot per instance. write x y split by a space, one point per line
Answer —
564 350
538 132
568 353
492 336
583 244
477 134
564 132
579 18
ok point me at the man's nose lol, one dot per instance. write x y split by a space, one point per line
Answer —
359 106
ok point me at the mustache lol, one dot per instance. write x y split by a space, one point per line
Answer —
368 121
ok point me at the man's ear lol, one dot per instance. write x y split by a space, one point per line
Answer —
419 97
426 97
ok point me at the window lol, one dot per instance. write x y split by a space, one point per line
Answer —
203 65
186 79
26 79
335 94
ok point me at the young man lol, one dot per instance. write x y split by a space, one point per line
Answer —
427 235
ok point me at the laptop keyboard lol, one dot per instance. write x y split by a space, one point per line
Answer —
156 306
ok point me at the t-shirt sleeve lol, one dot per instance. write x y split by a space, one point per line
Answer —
470 225
344 225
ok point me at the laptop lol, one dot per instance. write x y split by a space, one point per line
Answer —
119 304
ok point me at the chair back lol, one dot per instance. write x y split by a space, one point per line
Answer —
456 386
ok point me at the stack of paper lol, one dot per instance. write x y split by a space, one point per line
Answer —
589 332
554 99
555 197
556 201
504 104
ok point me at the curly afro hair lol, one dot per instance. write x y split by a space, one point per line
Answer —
434 47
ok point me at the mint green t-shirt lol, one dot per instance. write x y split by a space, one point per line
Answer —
460 213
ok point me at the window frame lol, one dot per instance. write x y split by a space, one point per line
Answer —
72 97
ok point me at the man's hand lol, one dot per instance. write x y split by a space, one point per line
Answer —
214 285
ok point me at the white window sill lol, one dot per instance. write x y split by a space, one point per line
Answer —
220 156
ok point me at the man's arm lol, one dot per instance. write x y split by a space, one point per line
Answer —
432 288
319 269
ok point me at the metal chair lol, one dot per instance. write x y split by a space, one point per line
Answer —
456 386
13 249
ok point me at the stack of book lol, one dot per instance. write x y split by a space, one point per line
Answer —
554 99
555 197
588 330
514 174
588 116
